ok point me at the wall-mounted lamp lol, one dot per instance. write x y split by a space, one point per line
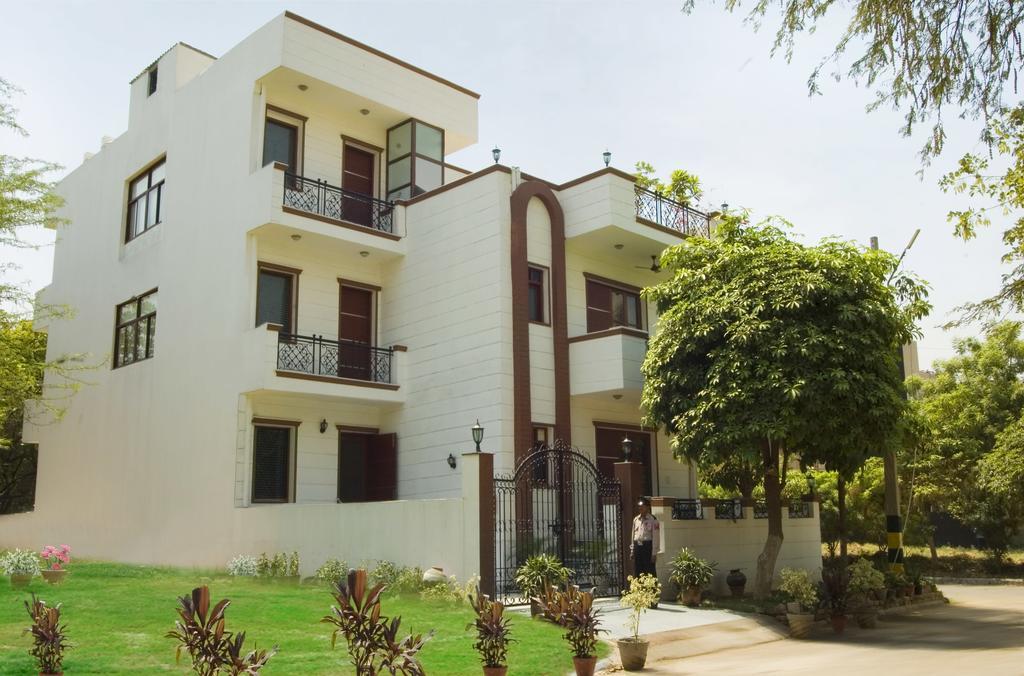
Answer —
478 434
725 207
607 155
627 449
451 461
323 425
496 154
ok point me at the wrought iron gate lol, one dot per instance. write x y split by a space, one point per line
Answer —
556 502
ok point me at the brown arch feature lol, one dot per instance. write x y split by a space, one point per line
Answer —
522 420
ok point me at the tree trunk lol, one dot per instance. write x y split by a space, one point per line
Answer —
773 503
841 489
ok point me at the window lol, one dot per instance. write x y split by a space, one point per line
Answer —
540 443
282 139
415 159
276 296
145 201
609 306
152 82
273 463
135 329
536 294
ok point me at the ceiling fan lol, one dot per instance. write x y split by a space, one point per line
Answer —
654 265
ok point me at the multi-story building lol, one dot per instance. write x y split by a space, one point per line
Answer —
298 302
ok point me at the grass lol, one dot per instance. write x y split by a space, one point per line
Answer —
117 615
952 561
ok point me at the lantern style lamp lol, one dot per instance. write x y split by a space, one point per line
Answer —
451 461
627 449
323 425
607 155
496 154
478 434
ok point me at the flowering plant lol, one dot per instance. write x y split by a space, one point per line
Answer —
243 566
20 562
56 558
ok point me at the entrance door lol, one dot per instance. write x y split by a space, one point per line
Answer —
609 451
357 177
355 332
367 467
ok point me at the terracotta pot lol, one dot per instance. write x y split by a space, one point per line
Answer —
737 581
20 580
534 608
632 653
838 623
434 575
584 665
495 671
54 576
691 596
800 624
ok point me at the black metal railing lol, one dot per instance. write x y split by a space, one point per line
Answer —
800 509
760 509
687 509
321 198
668 213
729 509
319 356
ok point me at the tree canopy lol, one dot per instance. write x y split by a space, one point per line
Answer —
765 344
683 186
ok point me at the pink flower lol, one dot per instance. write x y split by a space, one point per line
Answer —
65 548
56 566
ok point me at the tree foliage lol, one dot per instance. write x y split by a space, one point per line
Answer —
918 56
682 187
767 344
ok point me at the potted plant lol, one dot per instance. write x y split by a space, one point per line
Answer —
737 582
537 574
865 583
21 565
803 601
644 591
691 573
835 582
47 637
492 633
575 611
55 559
915 578
897 584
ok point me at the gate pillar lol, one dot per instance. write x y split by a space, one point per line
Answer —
631 477
478 518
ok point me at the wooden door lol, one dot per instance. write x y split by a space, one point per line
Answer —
355 333
382 468
609 452
357 177
353 449
367 467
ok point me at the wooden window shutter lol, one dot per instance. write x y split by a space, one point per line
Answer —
599 307
382 468
271 464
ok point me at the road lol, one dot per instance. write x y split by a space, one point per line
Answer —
980 632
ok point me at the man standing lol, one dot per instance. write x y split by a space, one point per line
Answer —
646 540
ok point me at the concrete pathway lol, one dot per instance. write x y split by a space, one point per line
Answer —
980 632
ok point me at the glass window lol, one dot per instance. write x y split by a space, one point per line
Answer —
272 461
429 142
145 201
428 174
535 295
275 299
400 140
280 144
399 173
609 306
151 88
135 330
400 194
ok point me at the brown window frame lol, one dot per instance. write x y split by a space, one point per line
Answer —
150 188
624 290
280 271
151 81
292 463
541 440
287 118
413 155
150 320
540 287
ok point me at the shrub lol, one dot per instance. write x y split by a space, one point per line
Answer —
836 584
492 632
540 572
200 631
20 562
865 578
644 592
332 570
372 639
449 591
47 636
689 570
243 566
56 557
398 579
263 565
293 564
575 611
797 585
279 565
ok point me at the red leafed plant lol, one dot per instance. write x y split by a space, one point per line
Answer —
200 630
47 635
372 639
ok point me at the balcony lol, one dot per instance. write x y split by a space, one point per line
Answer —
607 362
336 205
667 213
317 356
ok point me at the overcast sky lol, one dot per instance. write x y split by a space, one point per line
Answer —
559 83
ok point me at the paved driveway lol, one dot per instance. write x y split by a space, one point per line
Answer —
980 632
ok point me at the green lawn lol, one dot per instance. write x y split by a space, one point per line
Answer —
117 615
951 562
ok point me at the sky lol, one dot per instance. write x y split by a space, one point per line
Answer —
560 82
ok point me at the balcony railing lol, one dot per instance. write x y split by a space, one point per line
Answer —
319 356
668 213
322 199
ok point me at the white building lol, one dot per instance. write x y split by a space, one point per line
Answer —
301 303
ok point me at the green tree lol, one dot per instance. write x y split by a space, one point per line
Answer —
766 345
683 187
22 362
972 409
